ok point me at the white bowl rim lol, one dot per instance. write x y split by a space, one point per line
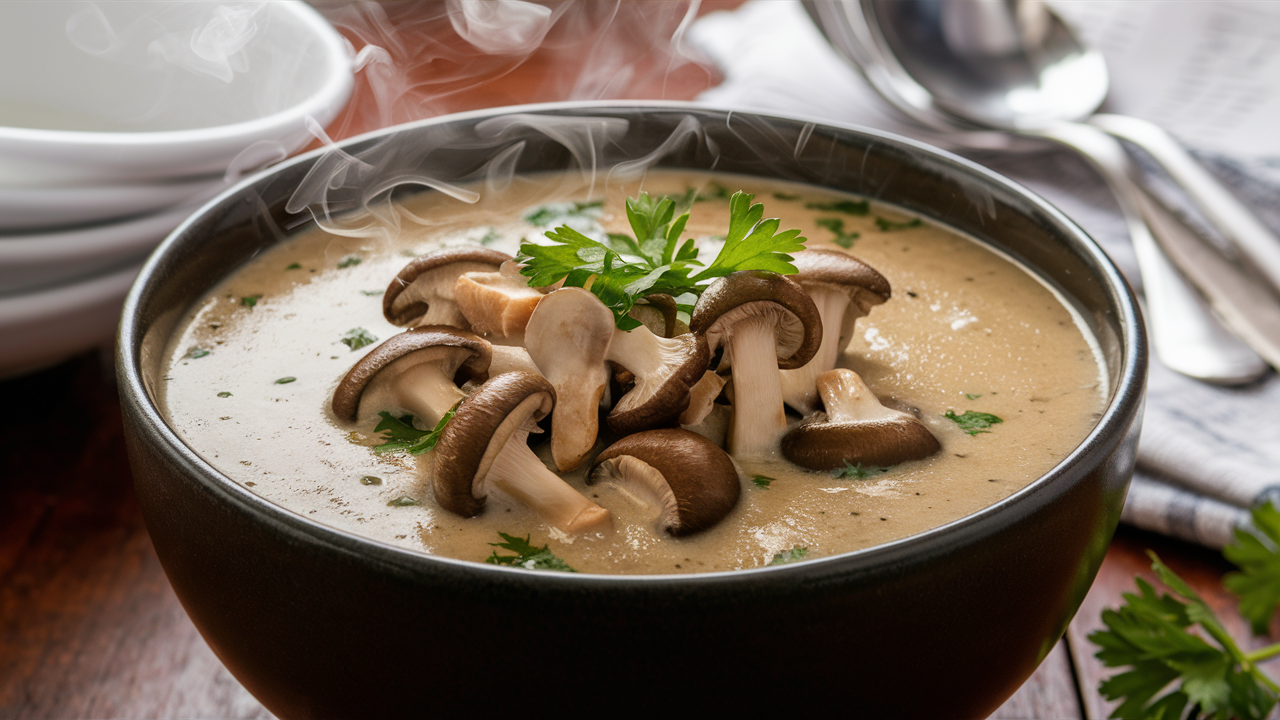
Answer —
337 83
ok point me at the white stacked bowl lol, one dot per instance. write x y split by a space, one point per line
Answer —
117 120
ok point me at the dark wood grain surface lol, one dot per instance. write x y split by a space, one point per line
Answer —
89 627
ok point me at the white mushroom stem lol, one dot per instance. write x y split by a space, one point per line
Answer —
702 398
799 386
518 472
425 391
649 357
758 416
847 399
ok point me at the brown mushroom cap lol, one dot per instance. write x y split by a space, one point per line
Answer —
430 279
857 429
696 481
749 292
866 286
658 312
478 431
461 355
651 404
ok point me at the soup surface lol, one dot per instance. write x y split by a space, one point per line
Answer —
252 369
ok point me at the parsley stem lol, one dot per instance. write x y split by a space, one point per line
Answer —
1262 654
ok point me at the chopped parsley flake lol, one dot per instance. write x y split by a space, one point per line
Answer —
370 480
973 422
762 481
285 380
196 352
973 396
887 225
403 501
356 338
350 261
526 555
785 196
372 293
250 300
224 393
836 226
786 556
856 471
548 214
848 207
294 266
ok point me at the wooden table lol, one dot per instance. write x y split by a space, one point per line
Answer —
89 626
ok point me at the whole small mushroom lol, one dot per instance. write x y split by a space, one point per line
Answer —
418 370
422 292
688 482
844 289
485 447
856 429
767 322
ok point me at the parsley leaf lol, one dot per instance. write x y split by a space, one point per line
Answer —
973 422
526 555
196 352
400 435
1150 635
836 226
786 556
848 207
403 501
762 481
356 338
623 269
856 471
350 261
886 225
1257 553
250 300
548 214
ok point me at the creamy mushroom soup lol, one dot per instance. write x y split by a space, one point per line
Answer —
989 358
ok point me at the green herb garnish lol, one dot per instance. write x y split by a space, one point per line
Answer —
548 214
350 261
848 207
250 300
401 436
786 556
196 352
356 338
224 394
403 501
761 481
785 196
285 380
655 260
370 480
836 226
1257 553
973 396
887 225
372 293
973 422
856 471
293 266
526 555
1150 634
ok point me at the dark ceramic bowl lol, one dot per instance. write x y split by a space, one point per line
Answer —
318 622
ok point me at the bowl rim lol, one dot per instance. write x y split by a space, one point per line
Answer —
1121 408
334 89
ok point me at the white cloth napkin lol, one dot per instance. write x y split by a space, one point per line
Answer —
1206 452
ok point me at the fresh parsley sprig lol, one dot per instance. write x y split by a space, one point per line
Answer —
526 555
1178 671
400 435
623 269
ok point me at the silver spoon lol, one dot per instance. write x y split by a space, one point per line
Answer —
969 67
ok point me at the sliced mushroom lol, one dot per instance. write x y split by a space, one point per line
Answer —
702 398
844 289
422 292
485 447
568 337
856 429
497 304
664 368
688 482
417 370
766 322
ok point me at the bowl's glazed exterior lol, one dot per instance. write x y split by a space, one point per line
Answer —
318 622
